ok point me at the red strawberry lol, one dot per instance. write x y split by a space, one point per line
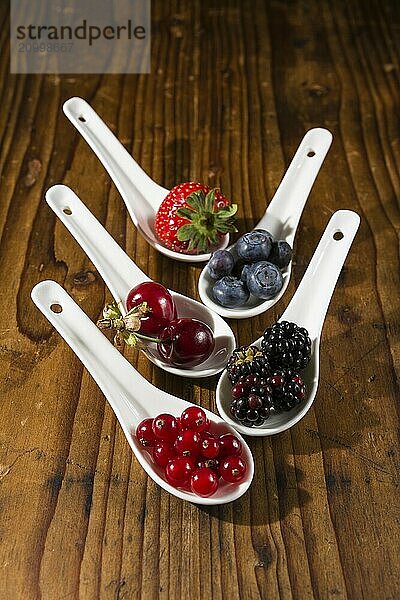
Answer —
192 218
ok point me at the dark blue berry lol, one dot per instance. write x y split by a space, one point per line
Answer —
281 254
264 280
220 264
245 271
254 246
230 292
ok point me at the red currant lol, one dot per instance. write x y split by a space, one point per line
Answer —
187 443
204 482
210 448
210 463
206 435
179 470
165 427
195 418
186 342
232 469
239 390
162 453
229 445
144 433
160 302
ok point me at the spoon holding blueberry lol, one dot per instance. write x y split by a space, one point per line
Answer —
171 438
270 385
249 277
185 223
178 334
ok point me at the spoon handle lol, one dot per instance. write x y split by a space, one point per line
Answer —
125 172
122 385
290 198
118 271
310 302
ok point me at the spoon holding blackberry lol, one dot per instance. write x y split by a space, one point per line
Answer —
199 341
270 385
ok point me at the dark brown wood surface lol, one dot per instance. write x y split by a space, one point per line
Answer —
233 88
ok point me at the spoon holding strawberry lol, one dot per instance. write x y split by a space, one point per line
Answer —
133 291
186 223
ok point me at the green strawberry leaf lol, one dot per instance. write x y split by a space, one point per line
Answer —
209 201
186 232
186 213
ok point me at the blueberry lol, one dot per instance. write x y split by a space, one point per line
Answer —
281 254
245 271
264 280
254 246
230 292
220 264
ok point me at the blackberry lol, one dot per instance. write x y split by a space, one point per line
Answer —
287 346
288 389
251 400
247 360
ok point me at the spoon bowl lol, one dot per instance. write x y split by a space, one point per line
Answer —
142 196
130 395
281 219
121 274
307 309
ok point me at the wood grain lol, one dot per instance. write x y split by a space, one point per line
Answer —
233 87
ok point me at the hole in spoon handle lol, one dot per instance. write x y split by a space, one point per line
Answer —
310 302
124 388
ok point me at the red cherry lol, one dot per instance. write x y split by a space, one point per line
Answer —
165 427
233 469
210 448
144 433
186 342
188 443
179 470
195 418
160 302
163 452
229 445
204 482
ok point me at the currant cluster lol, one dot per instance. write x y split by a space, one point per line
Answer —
267 379
152 318
191 456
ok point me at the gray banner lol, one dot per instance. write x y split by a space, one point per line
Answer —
80 36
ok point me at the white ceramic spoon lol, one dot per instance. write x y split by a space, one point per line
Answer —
130 395
142 196
121 274
307 309
281 218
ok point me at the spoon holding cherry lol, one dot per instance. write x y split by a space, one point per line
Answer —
142 196
121 275
130 395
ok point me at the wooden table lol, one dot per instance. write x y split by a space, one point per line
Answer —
233 88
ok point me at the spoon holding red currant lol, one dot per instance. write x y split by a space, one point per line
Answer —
270 385
190 452
189 339
185 223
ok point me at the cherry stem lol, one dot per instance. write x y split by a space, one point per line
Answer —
151 339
